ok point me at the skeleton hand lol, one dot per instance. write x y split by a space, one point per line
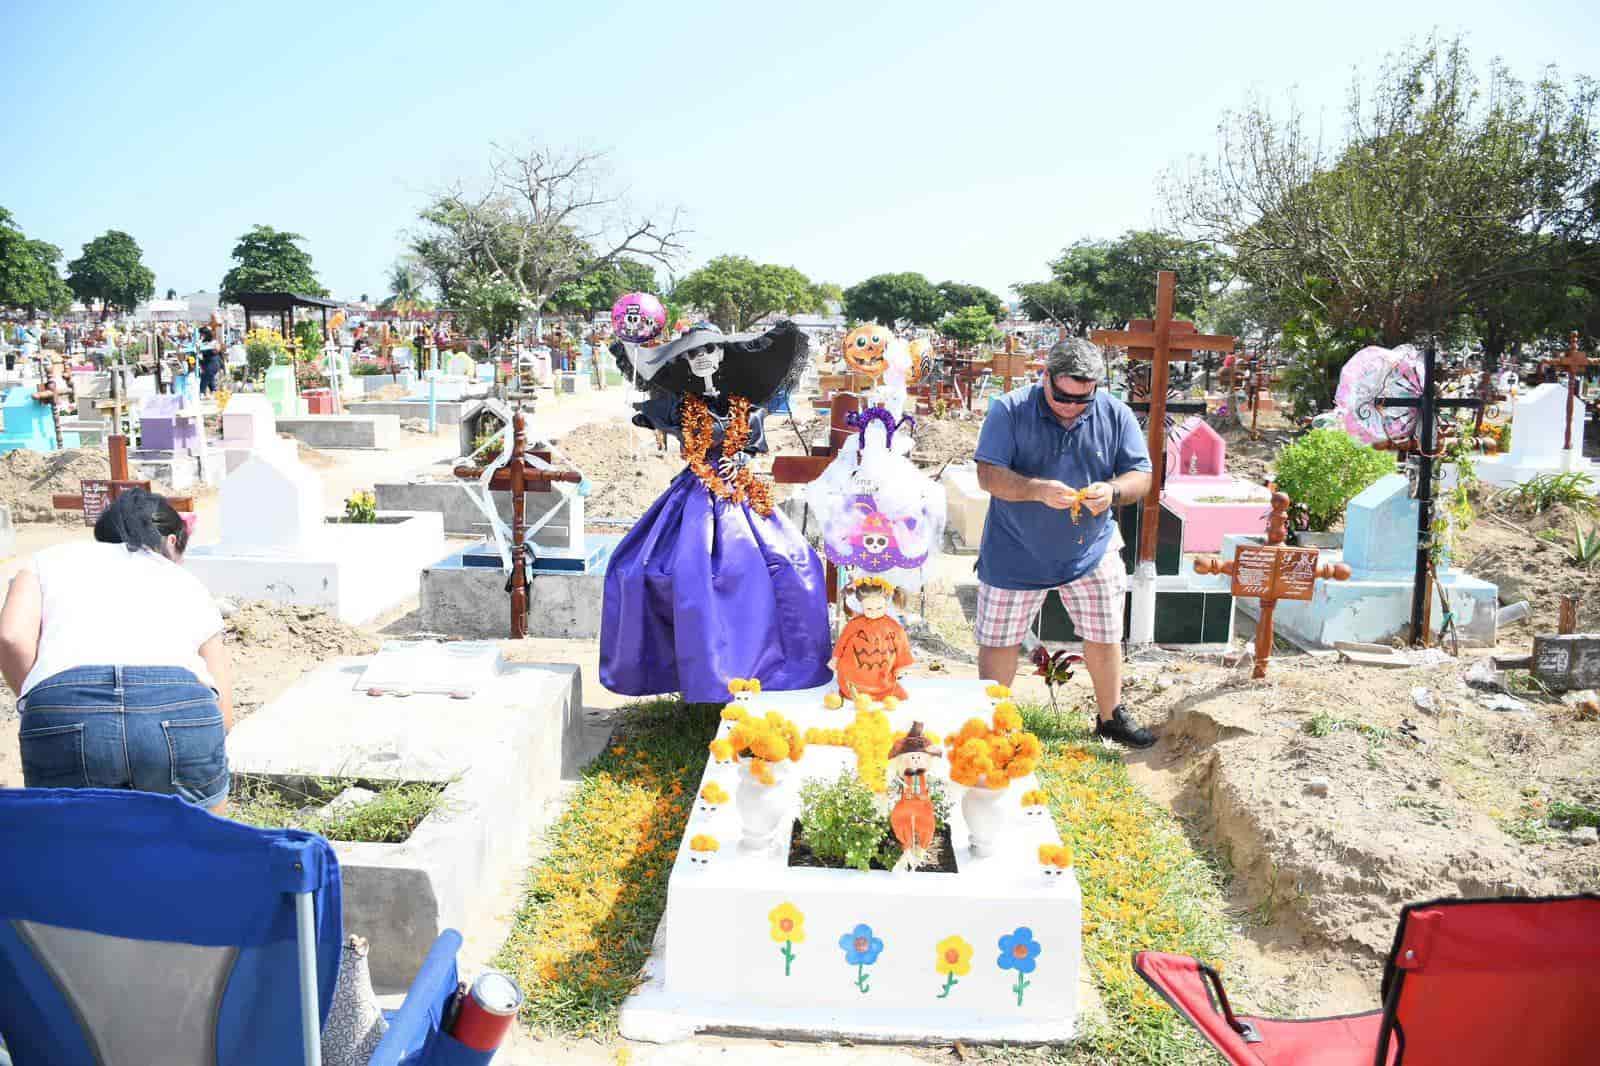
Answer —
729 465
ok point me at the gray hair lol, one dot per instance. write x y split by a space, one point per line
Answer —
1076 358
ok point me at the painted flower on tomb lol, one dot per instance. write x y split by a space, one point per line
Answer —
861 949
1019 952
952 957
788 929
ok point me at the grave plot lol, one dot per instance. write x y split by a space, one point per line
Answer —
277 545
495 737
751 941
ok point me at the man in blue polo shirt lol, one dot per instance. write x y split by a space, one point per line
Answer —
1041 445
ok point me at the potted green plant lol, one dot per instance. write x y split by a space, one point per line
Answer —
1321 473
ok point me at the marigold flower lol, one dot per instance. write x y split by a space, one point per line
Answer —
733 713
721 750
1007 719
703 842
714 793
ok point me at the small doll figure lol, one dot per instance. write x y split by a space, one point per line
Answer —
873 648
912 818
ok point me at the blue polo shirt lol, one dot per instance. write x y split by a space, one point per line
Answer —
1029 545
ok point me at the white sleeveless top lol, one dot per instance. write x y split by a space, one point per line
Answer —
106 606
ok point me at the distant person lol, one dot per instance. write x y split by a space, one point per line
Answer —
210 352
116 655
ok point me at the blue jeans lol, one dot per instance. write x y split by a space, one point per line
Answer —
151 728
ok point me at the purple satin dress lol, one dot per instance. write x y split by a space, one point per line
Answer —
701 591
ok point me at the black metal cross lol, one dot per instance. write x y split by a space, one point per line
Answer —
1428 406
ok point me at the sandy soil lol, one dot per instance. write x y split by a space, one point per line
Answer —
29 479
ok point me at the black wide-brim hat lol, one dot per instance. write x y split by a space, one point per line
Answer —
756 366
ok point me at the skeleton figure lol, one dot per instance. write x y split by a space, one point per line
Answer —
633 320
704 363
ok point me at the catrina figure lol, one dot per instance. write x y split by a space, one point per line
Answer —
873 648
712 583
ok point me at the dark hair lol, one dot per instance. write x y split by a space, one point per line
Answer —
140 519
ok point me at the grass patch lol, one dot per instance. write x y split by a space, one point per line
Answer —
590 910
389 819
1144 887
1325 724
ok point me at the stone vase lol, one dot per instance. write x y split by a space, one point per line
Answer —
985 810
763 809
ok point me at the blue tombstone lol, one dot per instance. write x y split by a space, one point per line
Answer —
29 423
1380 530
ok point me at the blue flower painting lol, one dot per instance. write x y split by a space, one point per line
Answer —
1019 951
861 949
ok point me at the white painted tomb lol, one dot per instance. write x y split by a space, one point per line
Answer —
503 743
250 428
276 545
966 505
720 959
1537 435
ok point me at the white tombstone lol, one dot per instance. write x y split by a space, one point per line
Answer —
1537 434
248 422
272 503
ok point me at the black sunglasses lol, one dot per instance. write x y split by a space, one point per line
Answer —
1073 399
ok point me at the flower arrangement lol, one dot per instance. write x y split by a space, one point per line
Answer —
985 757
869 737
697 441
721 751
714 794
766 741
1055 856
702 842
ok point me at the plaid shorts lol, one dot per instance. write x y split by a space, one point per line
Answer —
1094 602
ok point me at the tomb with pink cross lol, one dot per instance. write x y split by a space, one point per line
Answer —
1200 490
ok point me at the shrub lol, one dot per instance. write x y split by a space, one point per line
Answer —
361 507
263 348
367 370
1323 471
840 823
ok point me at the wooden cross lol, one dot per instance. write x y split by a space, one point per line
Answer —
95 494
1160 340
804 469
1271 572
1424 444
1577 365
519 476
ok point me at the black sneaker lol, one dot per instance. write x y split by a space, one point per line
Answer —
1123 730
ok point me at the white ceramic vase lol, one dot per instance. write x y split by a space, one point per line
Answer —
985 811
763 809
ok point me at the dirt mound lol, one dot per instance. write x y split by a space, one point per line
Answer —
624 464
1334 812
946 440
310 456
1510 550
284 629
28 480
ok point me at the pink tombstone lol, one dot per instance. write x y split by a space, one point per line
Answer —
1200 490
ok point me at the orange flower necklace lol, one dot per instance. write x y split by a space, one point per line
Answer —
698 435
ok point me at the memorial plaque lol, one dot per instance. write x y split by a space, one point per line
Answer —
1253 565
96 498
1297 573
1568 661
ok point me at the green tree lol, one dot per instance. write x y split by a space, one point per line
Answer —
969 327
957 295
1448 192
737 292
28 277
270 260
542 220
893 298
598 289
1107 283
111 272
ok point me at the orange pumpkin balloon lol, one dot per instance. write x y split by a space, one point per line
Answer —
864 347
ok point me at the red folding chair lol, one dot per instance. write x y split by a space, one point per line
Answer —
1469 982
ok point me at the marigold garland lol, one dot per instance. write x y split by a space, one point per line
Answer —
870 738
698 436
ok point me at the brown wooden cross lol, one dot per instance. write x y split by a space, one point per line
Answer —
95 494
804 469
520 476
1271 572
1160 340
1577 365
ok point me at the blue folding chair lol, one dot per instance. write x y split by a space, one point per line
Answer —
137 929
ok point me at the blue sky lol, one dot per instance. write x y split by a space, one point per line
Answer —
967 141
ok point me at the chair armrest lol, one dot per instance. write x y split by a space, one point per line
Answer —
418 1016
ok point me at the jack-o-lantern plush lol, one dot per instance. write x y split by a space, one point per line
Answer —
864 347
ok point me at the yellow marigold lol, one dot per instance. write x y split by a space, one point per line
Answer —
1033 798
1020 767
1006 718
952 955
714 793
761 770
721 750
788 924
702 842
1057 855
733 713
997 692
753 684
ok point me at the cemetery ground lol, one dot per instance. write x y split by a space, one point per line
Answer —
1276 828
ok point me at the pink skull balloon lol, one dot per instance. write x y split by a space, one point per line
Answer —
638 317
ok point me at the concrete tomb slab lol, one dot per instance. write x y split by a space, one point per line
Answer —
502 754
1537 434
343 431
